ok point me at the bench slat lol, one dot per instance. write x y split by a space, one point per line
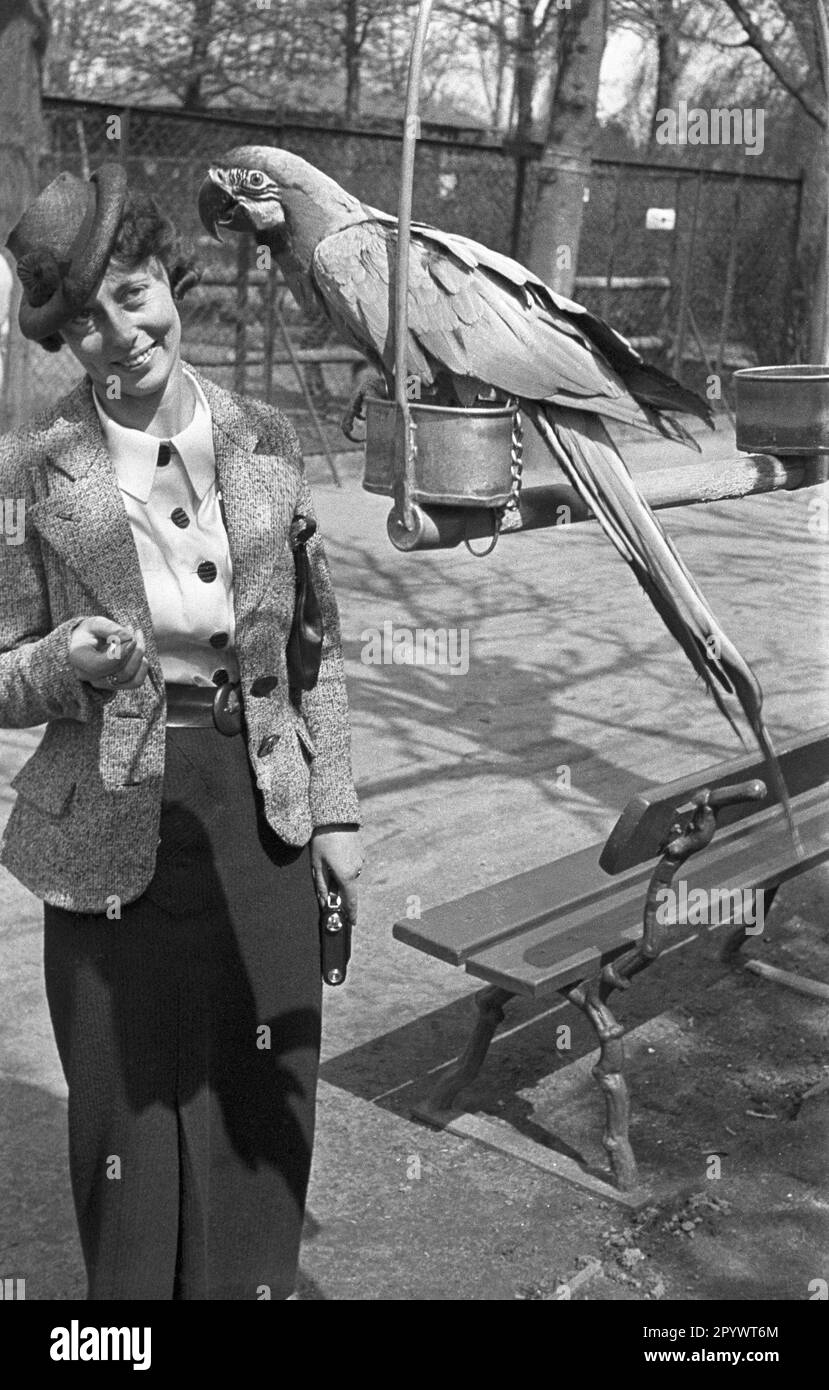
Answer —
643 826
758 855
456 930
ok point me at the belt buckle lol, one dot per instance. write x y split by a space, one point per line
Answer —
227 716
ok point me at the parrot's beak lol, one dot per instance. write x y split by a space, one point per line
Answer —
216 203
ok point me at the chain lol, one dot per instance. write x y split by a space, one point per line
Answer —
510 518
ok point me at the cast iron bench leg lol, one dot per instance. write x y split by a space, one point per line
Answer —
490 1004
738 936
609 1076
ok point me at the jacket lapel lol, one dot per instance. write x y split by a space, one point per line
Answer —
258 500
82 516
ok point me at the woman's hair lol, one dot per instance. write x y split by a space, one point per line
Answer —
146 232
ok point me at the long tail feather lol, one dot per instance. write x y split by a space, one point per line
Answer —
581 445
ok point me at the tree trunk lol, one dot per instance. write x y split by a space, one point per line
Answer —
565 164
501 62
23 32
192 98
667 59
524 73
352 61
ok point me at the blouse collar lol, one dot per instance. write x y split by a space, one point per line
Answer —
135 454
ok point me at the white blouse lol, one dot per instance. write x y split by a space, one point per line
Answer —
171 498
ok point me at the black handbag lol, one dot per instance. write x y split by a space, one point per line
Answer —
335 940
304 647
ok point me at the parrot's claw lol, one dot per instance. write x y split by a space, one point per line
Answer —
352 415
356 408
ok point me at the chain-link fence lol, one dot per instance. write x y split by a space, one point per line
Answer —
710 288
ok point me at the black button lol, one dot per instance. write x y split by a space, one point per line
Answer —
219 640
164 454
220 677
268 744
263 685
207 571
180 518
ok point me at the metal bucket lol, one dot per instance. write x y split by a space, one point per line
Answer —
463 455
783 410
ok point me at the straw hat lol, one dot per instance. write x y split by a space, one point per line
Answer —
62 244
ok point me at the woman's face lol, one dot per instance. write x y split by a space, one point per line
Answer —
128 336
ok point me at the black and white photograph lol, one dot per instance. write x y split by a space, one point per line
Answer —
414 659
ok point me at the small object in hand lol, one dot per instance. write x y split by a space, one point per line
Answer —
335 940
114 649
112 680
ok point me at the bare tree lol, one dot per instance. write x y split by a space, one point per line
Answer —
660 22
785 34
792 38
565 164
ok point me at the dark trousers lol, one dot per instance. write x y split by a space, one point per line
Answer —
189 1035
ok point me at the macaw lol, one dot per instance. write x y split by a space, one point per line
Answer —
480 321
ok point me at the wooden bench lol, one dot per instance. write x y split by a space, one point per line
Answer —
587 923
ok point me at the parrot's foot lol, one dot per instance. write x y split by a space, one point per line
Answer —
374 386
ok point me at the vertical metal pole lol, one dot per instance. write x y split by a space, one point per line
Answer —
518 205
788 341
241 340
404 435
685 285
614 222
673 256
82 147
820 325
268 297
730 276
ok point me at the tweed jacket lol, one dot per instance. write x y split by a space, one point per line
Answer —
84 828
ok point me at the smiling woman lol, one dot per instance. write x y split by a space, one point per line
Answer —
127 335
189 809
144 235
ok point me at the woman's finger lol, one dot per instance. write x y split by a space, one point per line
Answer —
130 665
129 668
320 884
350 897
137 678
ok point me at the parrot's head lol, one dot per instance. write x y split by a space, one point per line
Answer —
277 197
241 199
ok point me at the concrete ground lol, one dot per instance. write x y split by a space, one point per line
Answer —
574 699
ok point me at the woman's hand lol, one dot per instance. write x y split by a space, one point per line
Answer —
336 864
107 655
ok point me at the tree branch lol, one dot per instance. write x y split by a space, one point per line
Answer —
763 46
481 20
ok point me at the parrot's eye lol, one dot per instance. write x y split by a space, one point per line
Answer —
256 180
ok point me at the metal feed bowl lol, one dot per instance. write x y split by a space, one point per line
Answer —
462 455
783 410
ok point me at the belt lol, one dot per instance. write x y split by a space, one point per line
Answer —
198 706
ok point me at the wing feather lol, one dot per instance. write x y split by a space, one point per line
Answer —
467 319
